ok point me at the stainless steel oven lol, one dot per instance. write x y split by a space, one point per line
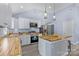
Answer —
34 38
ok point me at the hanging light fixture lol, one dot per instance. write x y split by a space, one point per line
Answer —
50 7
45 14
54 16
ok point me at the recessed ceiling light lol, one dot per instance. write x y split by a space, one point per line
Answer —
54 17
21 6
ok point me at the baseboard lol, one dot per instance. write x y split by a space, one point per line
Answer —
75 43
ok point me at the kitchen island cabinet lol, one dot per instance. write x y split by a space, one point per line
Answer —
53 48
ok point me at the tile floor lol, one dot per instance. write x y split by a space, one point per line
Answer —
32 50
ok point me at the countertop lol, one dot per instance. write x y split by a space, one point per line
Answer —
54 37
10 45
25 33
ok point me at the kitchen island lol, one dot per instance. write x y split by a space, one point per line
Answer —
53 45
10 46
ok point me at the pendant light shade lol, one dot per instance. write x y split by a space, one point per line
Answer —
45 14
54 16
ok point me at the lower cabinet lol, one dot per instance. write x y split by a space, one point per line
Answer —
41 47
56 48
25 39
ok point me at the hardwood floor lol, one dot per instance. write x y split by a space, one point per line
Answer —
32 50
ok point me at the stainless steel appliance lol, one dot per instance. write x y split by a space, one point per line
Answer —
50 29
47 29
34 25
34 38
33 35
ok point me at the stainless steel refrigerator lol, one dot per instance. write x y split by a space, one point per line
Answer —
50 29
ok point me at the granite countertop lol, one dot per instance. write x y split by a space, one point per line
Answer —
54 37
10 46
25 33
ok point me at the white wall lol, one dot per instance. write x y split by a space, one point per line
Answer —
5 14
70 13
76 20
61 16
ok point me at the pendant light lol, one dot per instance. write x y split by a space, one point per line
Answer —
54 16
45 14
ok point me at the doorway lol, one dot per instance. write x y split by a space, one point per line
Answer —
68 27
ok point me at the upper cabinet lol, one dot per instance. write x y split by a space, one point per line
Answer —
23 23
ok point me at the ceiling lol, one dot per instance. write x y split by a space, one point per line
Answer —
36 10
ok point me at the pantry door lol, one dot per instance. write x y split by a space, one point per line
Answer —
68 27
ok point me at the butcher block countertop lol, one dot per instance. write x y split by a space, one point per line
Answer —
54 37
10 46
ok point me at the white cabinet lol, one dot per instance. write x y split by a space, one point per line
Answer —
23 23
41 47
25 39
56 48
60 47
44 47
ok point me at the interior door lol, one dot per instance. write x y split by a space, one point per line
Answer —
68 27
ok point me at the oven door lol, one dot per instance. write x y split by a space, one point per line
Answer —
34 39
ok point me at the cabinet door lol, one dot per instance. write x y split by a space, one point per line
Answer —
28 39
60 48
27 23
42 47
25 39
23 23
50 50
